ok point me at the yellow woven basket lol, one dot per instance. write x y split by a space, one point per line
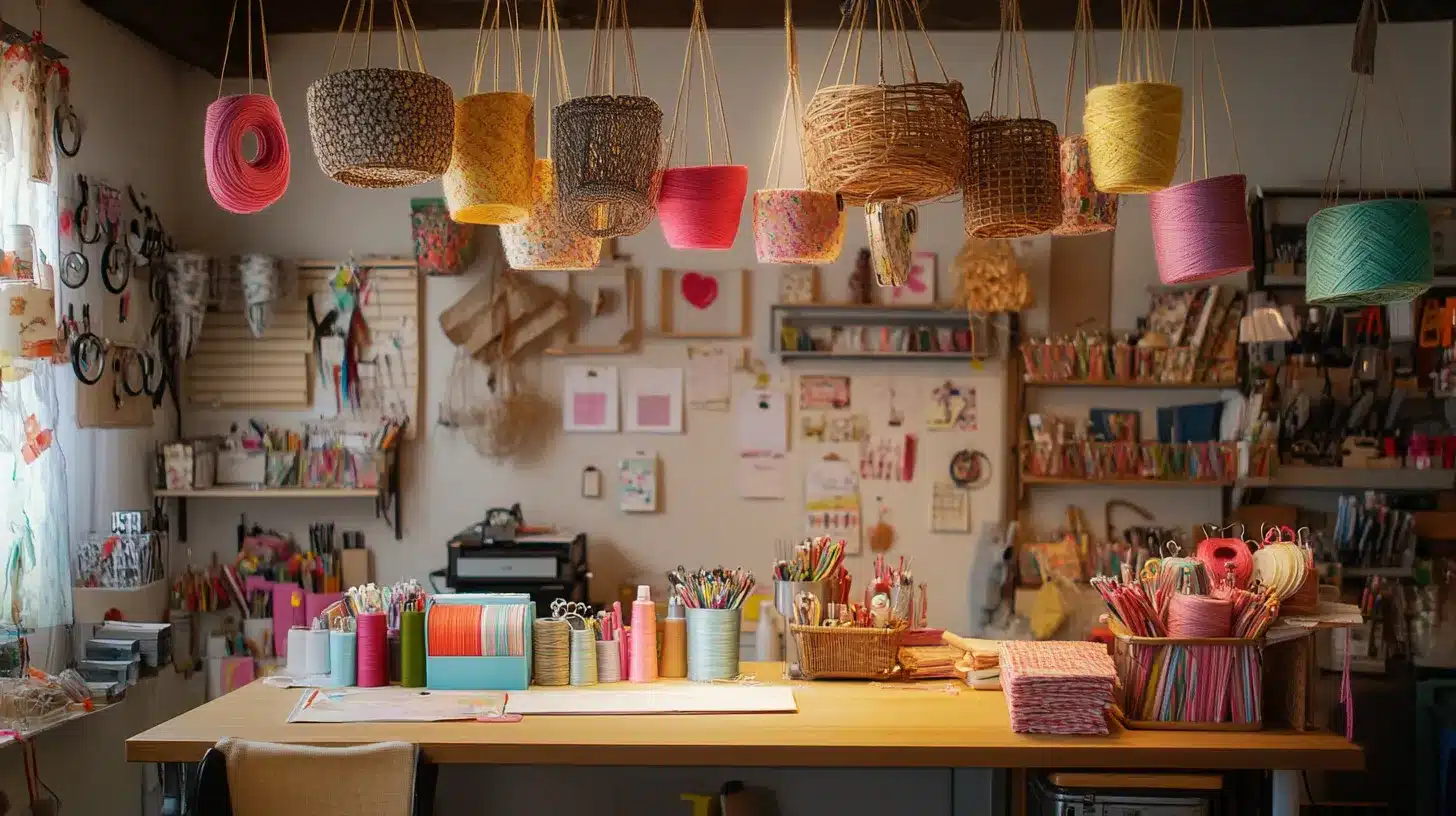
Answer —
543 241
489 179
1132 135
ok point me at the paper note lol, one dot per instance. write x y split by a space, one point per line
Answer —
823 393
637 484
395 705
763 476
710 378
831 502
589 399
654 400
762 419
677 699
950 508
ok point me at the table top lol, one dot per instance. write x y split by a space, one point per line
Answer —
839 724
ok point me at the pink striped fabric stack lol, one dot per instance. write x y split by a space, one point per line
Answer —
1057 687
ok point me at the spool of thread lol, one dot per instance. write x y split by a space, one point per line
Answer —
412 649
644 637
1281 568
316 649
237 184
343 657
583 657
1132 135
373 650
674 661
713 644
551 652
1217 553
609 661
1201 229
297 651
1368 253
396 657
1199 616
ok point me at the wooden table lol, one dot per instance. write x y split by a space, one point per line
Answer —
835 725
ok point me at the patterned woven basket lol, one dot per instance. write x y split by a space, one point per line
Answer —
543 241
606 163
891 227
1014 185
489 178
797 226
1085 209
381 127
842 652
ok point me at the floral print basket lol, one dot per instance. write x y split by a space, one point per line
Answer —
544 241
795 226
442 247
1085 209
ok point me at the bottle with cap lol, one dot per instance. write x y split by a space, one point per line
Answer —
675 640
644 637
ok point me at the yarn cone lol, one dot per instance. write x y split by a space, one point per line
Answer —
1369 253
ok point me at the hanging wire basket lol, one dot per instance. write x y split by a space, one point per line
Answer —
886 141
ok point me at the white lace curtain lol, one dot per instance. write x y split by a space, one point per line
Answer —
34 513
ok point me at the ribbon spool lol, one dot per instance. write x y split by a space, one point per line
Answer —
607 172
1013 178
1199 616
1201 229
794 225
381 127
1085 209
583 657
609 661
891 226
237 184
551 652
494 149
1133 126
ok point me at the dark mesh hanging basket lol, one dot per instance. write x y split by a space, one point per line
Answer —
381 127
606 155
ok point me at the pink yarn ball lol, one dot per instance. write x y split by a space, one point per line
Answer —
238 185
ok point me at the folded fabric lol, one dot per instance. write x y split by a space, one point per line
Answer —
1057 687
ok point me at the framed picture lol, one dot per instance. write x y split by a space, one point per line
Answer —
606 312
919 288
701 305
799 285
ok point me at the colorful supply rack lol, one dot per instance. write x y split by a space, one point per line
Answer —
478 641
1191 684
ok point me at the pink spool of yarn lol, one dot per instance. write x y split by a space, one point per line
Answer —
700 207
1199 616
237 184
1201 229
1217 553
373 650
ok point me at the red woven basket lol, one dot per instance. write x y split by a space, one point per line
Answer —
1201 229
701 207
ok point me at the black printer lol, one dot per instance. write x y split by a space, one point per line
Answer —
493 556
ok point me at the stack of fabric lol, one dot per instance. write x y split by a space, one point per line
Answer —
929 662
1057 687
979 662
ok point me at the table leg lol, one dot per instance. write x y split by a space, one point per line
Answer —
1285 799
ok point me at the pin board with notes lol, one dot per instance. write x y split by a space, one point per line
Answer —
298 363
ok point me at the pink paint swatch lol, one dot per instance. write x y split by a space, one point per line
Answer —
654 411
589 409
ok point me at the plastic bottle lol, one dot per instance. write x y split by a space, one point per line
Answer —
644 637
675 641
766 636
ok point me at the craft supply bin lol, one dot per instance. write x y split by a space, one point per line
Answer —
843 652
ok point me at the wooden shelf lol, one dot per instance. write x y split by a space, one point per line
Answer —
1200 386
271 493
1070 481
880 355
1337 478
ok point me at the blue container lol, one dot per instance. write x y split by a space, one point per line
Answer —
479 673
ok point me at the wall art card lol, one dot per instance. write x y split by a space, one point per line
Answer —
637 484
919 288
950 508
831 502
589 399
820 393
710 378
799 285
654 398
763 476
952 407
706 304
818 426
889 458
762 422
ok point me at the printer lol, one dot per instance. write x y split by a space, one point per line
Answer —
500 554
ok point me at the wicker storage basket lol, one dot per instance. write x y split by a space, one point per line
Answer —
1013 183
891 227
381 127
489 178
842 652
1141 660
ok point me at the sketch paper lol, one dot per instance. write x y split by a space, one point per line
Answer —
654 398
763 476
589 399
831 502
950 508
637 484
394 704
710 378
762 420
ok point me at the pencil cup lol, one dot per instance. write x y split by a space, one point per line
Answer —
785 593
583 657
316 652
258 635
343 653
609 661
902 603
412 649
373 650
297 651
713 644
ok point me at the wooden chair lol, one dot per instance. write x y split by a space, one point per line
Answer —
212 796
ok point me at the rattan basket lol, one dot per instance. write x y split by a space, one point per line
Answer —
849 653
1014 183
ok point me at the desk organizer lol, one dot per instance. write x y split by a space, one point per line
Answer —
1156 676
844 652
499 672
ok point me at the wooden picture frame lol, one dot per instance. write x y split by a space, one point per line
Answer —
668 282
631 340
799 285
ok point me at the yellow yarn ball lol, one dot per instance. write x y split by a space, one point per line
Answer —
1132 135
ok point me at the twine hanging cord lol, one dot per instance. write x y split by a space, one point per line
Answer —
405 42
792 97
698 42
558 87
239 184
1084 41
490 42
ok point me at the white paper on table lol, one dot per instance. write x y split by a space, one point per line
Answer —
762 420
589 399
654 399
395 704
763 476
710 378
723 698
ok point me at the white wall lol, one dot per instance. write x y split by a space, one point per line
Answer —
1287 88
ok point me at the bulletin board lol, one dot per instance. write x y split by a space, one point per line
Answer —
231 369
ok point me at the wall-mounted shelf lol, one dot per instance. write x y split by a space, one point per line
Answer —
270 493
1071 481
1299 477
923 332
1158 386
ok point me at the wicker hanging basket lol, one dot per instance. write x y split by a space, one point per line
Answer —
700 206
494 149
1013 178
885 141
543 240
794 225
1085 209
891 226
1201 229
1133 126
382 127
607 146
1371 252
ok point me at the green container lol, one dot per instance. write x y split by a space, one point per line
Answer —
412 649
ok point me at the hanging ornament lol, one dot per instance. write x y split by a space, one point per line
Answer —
258 275
240 185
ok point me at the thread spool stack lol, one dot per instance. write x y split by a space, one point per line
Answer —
583 670
412 649
478 641
609 661
551 652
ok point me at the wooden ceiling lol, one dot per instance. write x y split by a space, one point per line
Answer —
194 30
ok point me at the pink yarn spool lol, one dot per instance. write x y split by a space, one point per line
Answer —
700 207
1217 553
238 185
1199 616
373 650
1201 229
